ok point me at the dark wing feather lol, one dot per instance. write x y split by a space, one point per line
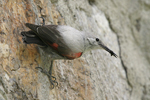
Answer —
49 35
32 27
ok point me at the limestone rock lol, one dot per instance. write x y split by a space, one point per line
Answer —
122 25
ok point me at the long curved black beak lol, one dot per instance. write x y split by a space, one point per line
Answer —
107 49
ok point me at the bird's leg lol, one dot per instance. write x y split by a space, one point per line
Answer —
43 20
52 79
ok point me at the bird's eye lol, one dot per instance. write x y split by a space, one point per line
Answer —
97 39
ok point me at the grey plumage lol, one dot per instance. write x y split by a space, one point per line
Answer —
65 40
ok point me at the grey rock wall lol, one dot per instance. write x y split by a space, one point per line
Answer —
123 26
130 21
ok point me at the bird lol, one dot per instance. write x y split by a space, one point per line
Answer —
64 42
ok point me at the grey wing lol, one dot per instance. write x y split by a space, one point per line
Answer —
52 37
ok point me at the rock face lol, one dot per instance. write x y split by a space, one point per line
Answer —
124 26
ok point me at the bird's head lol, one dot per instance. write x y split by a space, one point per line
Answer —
96 43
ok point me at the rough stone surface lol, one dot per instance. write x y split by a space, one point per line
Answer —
123 26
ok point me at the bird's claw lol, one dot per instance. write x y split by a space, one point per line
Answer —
52 79
41 69
43 19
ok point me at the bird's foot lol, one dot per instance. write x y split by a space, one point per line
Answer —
43 19
52 79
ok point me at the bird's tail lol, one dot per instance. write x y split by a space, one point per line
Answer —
29 37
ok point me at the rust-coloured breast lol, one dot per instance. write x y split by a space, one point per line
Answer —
68 56
73 56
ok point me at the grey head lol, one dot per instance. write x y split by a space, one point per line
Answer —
96 43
